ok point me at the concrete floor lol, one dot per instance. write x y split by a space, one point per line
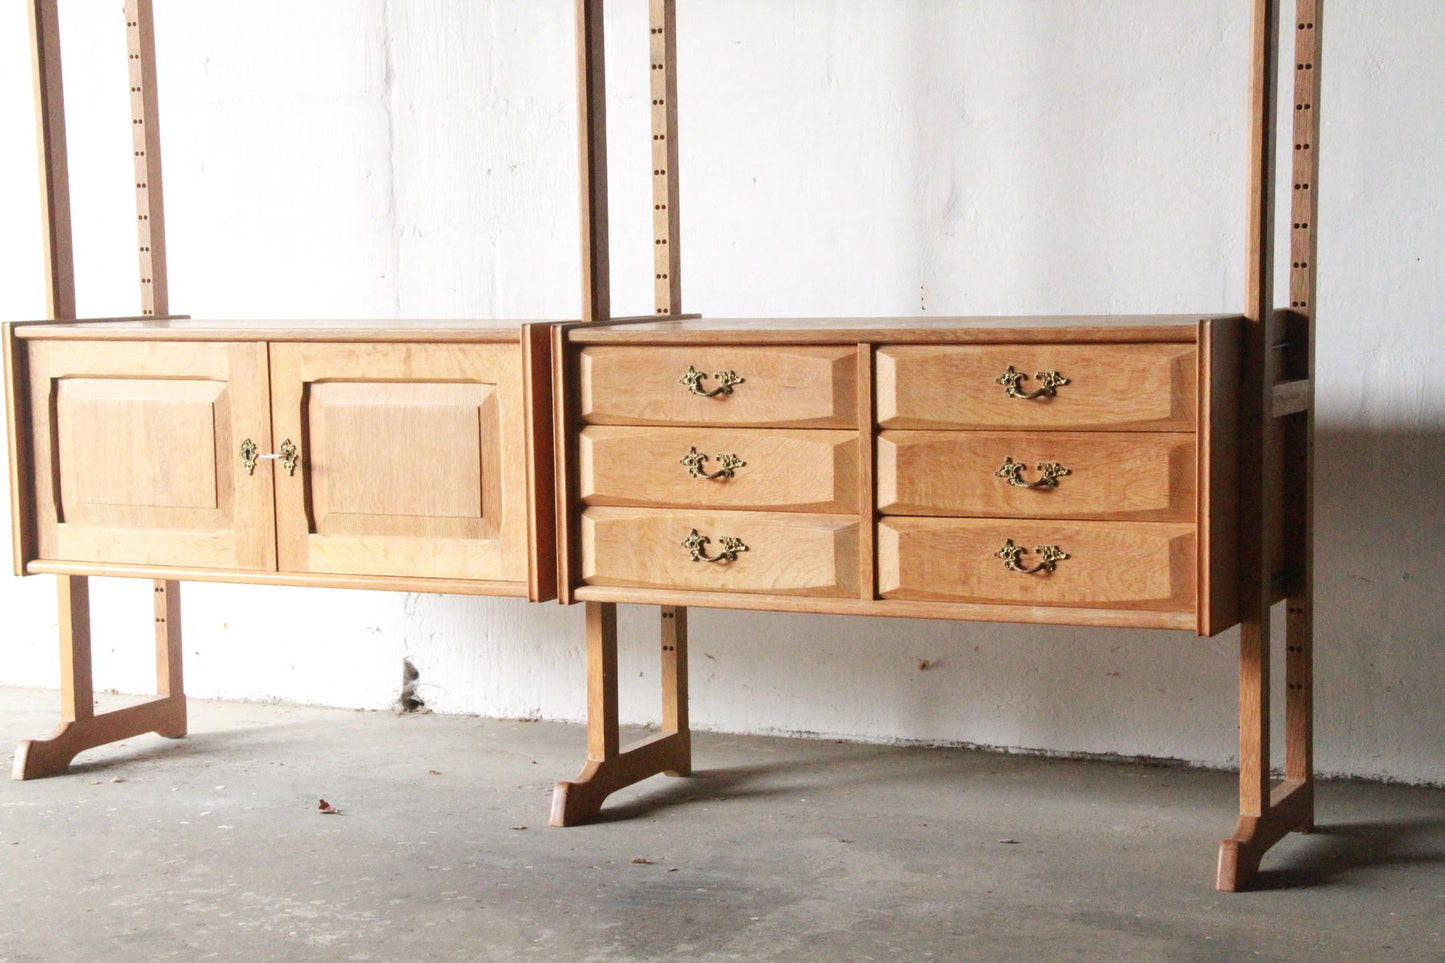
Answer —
779 849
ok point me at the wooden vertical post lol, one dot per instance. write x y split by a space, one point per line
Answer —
146 146
666 221
1299 437
592 160
58 249
602 728
77 688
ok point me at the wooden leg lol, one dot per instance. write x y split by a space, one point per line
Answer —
81 728
609 766
1269 813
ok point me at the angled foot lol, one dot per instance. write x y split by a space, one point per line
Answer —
48 757
581 799
1291 810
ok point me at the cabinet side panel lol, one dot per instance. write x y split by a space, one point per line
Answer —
1220 343
537 365
17 433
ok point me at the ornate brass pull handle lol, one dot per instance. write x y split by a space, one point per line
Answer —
726 379
696 546
1012 474
1049 558
288 456
1049 382
694 461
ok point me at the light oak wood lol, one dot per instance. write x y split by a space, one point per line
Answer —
867 472
1135 387
57 246
1220 343
610 767
1126 476
17 434
1095 616
1110 564
786 554
412 462
592 159
146 144
784 469
540 441
387 583
136 458
808 387
346 330
666 222
934 329
81 728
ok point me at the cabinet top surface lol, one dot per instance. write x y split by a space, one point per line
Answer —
198 329
935 330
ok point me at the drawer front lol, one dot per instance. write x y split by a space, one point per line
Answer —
752 468
1128 387
814 555
1142 565
778 387
1131 476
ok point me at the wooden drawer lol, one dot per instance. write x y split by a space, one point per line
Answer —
1119 475
782 470
1139 565
814 387
1133 387
786 554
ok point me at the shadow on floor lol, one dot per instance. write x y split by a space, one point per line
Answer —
1333 851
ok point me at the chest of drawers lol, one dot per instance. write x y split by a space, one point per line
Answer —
1054 470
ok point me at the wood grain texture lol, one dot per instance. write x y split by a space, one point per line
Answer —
787 554
57 246
541 482
434 586
867 473
23 543
122 434
1011 329
592 159
408 331
808 387
666 222
412 460
1220 343
1127 476
1100 617
1110 564
1112 387
784 469
146 144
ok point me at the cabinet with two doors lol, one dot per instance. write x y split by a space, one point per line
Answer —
262 452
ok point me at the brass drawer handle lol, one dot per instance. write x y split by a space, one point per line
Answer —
1049 558
1049 382
694 460
1012 474
287 456
696 546
694 378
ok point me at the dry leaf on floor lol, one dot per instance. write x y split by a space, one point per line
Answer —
642 861
326 809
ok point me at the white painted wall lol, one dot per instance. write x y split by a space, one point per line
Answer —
383 158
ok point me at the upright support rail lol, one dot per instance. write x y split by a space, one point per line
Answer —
81 728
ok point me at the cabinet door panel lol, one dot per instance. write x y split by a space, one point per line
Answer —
411 460
137 453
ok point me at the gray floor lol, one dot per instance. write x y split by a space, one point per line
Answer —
212 848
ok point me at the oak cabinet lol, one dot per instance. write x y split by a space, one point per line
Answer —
302 458
1074 471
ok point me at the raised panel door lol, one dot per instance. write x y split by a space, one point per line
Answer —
410 460
136 448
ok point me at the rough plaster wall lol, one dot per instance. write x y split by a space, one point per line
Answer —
409 158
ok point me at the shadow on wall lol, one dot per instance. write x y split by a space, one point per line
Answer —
1380 624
